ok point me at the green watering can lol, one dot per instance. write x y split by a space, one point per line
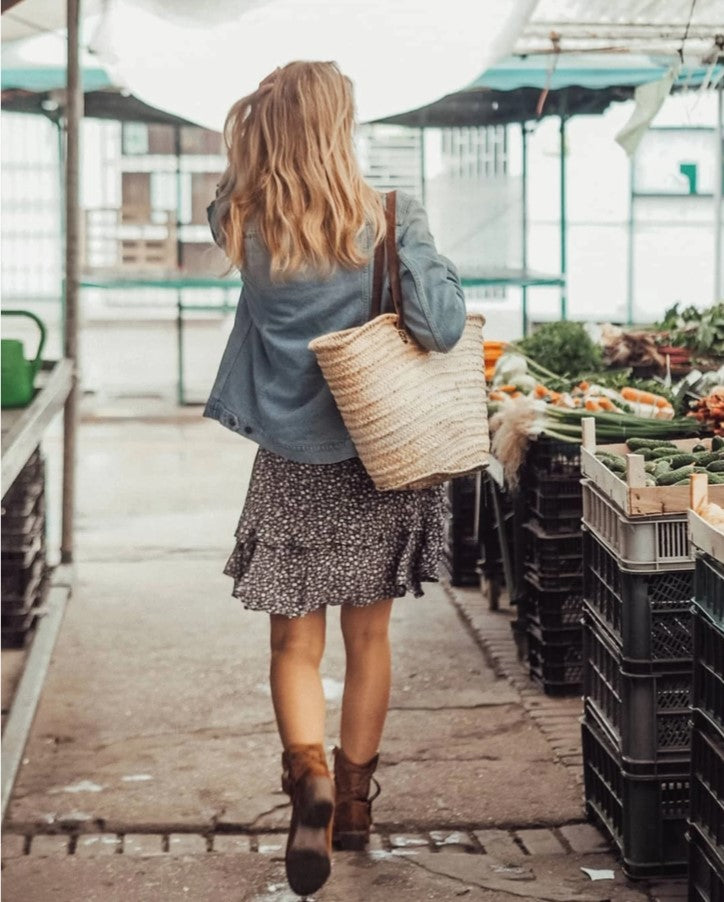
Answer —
18 374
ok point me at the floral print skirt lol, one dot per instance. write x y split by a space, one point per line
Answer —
321 534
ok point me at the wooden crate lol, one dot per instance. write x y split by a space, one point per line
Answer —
632 495
704 536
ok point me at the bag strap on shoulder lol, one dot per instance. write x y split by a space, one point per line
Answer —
386 251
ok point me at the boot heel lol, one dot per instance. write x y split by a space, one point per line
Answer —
350 841
316 803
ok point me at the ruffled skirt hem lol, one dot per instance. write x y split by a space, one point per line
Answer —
293 580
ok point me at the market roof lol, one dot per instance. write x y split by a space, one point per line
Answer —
511 90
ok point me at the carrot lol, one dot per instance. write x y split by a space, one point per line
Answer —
605 403
593 404
584 386
540 391
508 388
643 397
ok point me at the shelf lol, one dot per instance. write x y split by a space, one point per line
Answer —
23 428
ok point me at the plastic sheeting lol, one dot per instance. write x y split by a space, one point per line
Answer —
195 63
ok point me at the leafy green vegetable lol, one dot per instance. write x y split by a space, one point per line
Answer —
565 348
702 331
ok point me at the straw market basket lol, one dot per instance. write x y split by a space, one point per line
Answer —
416 417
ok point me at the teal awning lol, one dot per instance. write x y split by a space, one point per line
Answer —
40 79
595 71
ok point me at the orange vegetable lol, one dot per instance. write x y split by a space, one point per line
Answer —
643 397
593 404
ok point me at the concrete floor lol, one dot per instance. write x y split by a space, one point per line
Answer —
156 717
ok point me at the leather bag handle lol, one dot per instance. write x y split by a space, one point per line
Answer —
387 251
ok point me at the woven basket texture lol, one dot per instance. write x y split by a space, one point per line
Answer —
416 417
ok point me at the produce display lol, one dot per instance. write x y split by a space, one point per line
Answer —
631 383
667 465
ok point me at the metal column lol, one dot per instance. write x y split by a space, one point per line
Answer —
719 178
564 286
73 116
524 228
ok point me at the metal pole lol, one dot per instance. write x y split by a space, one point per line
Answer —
564 287
719 177
631 239
179 266
73 116
524 227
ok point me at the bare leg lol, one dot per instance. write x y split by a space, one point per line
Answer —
297 646
367 678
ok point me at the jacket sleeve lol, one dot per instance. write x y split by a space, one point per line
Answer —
433 298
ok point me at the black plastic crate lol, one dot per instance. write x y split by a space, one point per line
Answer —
553 552
16 575
643 708
648 614
706 868
555 608
19 540
564 581
16 508
707 778
15 631
709 587
548 457
555 659
17 562
708 682
553 507
23 601
644 813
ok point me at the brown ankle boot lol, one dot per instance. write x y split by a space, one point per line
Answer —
353 803
308 783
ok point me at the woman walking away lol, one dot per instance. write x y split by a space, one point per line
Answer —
295 216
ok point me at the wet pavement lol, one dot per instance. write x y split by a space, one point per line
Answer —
152 769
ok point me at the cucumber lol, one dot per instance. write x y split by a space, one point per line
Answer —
682 482
650 466
636 443
663 452
674 476
717 443
715 478
661 467
682 460
716 466
705 458
697 448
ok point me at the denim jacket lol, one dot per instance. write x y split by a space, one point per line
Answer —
269 387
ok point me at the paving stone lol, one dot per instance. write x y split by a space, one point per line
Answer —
408 840
499 845
449 840
186 844
46 844
376 843
13 845
143 844
670 891
540 842
271 843
228 843
91 844
584 838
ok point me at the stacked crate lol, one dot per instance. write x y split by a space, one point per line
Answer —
461 540
551 602
638 582
706 815
23 552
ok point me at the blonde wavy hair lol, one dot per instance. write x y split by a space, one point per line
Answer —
292 169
